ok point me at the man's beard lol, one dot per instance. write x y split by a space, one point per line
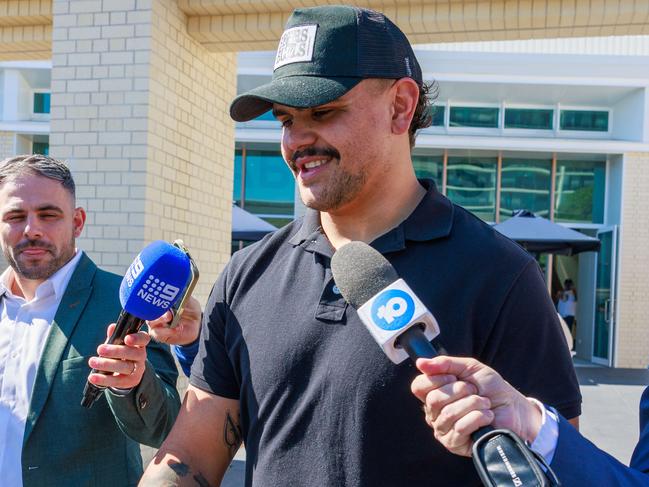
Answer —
342 189
43 270
343 186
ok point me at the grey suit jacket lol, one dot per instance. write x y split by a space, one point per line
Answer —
68 445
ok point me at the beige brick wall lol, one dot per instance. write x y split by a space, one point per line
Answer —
98 119
139 111
6 144
223 26
257 24
191 143
25 29
633 302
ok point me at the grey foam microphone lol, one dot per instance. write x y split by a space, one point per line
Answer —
398 321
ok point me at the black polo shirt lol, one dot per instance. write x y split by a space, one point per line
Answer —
321 405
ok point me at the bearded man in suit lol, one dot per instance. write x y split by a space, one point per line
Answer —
55 307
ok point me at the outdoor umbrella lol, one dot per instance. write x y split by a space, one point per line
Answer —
538 235
246 226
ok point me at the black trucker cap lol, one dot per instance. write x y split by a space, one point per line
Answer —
323 53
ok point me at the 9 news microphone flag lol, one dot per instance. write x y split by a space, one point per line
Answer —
403 327
153 284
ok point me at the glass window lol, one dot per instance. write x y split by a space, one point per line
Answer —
429 167
528 118
579 191
586 120
437 115
42 148
484 117
236 193
525 184
269 184
41 103
471 183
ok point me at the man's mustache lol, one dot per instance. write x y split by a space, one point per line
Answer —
313 151
33 244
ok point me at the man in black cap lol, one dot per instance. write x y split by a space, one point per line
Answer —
284 365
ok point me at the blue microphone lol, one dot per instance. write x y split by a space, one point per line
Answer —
153 284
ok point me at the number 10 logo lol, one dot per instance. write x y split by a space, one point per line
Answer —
392 309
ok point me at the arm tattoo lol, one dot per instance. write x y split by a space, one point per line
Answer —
232 434
171 477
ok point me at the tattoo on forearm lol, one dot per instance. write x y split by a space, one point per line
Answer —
181 469
200 480
232 434
169 478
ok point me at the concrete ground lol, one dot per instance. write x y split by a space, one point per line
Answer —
610 407
609 418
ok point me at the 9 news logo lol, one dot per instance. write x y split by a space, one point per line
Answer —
157 292
392 309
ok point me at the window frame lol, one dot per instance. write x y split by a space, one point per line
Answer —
471 130
36 115
529 132
583 133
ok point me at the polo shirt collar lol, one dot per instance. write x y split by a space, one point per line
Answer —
310 235
430 220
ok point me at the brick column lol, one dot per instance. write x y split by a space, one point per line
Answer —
6 144
633 306
191 142
139 112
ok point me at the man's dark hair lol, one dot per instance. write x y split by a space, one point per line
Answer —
423 116
40 165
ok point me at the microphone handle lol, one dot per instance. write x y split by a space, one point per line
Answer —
415 343
125 325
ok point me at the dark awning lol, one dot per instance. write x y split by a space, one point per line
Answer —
539 235
246 226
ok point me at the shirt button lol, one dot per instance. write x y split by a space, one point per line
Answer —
335 289
142 401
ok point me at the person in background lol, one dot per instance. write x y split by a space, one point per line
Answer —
55 308
567 306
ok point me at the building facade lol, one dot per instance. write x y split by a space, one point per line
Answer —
139 91
561 135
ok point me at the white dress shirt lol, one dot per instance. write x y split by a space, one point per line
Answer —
24 328
546 441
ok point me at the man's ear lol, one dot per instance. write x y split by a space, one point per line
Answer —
78 220
406 97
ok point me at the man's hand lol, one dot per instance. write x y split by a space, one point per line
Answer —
125 364
187 330
461 395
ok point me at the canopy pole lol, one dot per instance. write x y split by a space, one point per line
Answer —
498 184
548 274
553 185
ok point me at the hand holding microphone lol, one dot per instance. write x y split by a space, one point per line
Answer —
461 395
119 366
403 327
187 331
160 279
